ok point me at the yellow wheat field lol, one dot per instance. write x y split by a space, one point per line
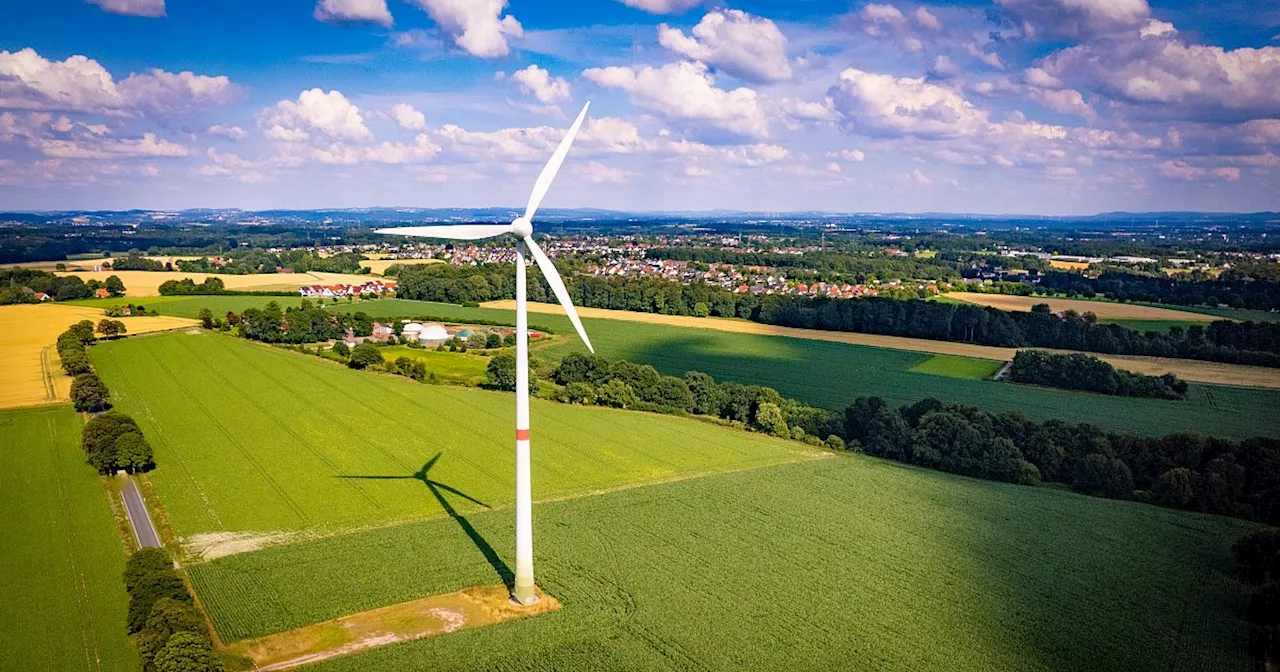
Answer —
88 264
147 283
1104 309
380 266
30 372
1068 265
1187 369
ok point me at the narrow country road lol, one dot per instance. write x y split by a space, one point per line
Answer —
139 519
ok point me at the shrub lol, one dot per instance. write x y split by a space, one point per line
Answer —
770 419
364 355
89 393
492 341
835 443
1027 474
1259 555
341 349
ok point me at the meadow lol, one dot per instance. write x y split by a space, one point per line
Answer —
449 367
832 374
1103 309
61 558
259 440
843 563
958 367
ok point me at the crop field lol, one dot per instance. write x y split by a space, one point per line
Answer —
1161 326
147 283
449 367
843 563
1103 309
190 306
257 440
380 266
61 558
30 371
958 367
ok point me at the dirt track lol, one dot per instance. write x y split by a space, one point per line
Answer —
1187 369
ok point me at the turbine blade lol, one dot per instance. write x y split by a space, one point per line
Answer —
549 171
557 286
450 232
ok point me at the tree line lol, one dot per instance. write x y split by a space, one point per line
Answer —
866 264
1256 343
187 286
305 323
256 260
20 285
1078 371
1233 289
169 632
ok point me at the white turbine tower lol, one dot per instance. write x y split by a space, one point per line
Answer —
522 227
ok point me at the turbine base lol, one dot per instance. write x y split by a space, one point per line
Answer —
525 596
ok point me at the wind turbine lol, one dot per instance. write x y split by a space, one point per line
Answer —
522 228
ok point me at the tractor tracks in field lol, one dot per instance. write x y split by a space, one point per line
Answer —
46 376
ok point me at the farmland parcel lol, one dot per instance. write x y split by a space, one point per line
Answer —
60 562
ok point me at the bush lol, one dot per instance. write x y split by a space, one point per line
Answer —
770 419
616 394
835 443
341 349
364 355
1259 555
89 393
493 341
1027 474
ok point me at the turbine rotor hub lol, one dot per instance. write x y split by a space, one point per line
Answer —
522 228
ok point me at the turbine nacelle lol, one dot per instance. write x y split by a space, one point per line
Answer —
522 227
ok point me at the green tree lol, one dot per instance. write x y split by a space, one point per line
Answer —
168 617
580 393
133 452
701 309
148 590
75 361
708 397
769 418
672 393
98 439
492 341
500 374
1173 488
187 652
114 285
477 341
109 328
144 562
206 318
364 355
341 349
617 394
88 393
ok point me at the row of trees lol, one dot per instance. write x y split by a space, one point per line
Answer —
257 260
1237 290
188 286
859 266
1077 371
1240 343
137 262
305 323
168 631
20 285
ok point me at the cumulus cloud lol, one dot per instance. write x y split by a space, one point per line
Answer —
883 104
742 45
79 84
1185 172
663 6
1066 101
685 91
354 11
598 173
1076 19
329 114
539 83
943 67
756 155
927 20
408 117
882 20
854 155
148 8
1168 78
233 133
478 27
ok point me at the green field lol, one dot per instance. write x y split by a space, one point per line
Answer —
1161 326
844 563
834 374
63 604
251 438
449 367
968 368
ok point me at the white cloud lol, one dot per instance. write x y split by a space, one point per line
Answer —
358 11
233 133
927 20
912 44
147 8
684 91
477 26
943 68
146 146
883 104
663 6
917 176
408 117
539 83
30 81
882 20
1066 101
742 45
598 173
989 57
421 149
1185 172
695 170
1156 28
756 155
1077 19
1168 78
854 155
835 168
330 114
229 165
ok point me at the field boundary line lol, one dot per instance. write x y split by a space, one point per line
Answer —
232 440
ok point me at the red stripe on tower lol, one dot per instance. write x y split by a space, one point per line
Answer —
522 435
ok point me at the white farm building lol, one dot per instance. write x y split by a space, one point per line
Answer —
426 334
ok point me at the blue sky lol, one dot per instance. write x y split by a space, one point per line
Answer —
1026 106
